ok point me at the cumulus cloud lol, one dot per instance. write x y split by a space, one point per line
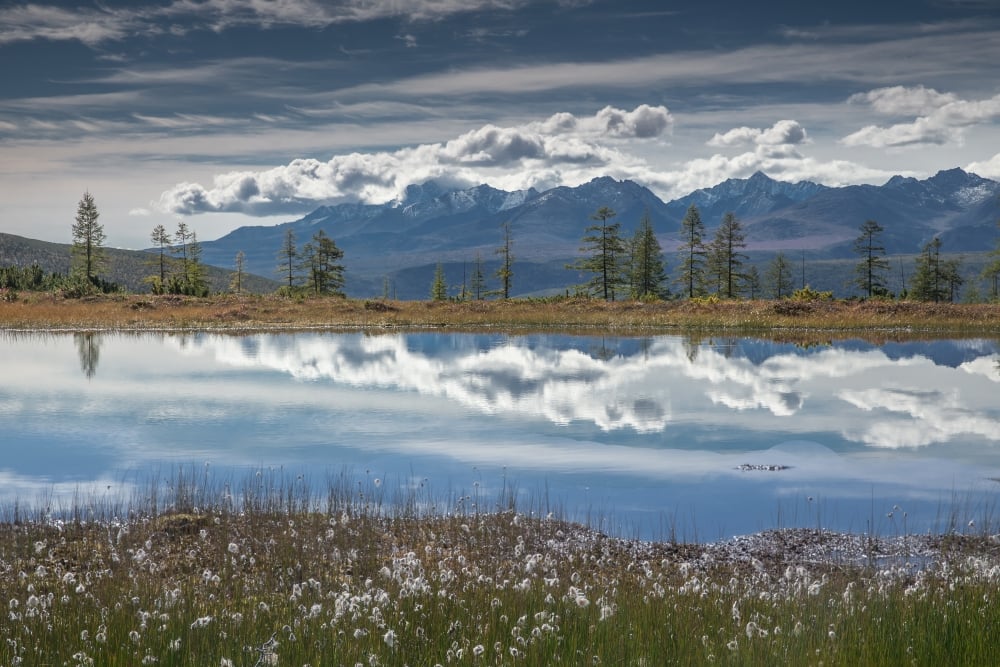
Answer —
940 119
783 132
538 151
987 169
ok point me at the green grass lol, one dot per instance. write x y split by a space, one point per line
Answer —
275 570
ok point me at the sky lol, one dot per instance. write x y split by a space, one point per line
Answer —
225 113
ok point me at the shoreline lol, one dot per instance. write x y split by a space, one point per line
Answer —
781 320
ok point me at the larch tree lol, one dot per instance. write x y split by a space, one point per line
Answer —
725 259
478 283
321 260
605 251
287 256
692 253
873 267
236 281
182 237
161 239
195 282
439 288
778 277
751 280
928 282
646 271
505 272
87 252
991 271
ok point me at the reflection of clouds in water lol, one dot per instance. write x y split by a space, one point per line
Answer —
988 367
930 416
643 392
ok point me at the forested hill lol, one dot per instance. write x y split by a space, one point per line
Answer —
127 268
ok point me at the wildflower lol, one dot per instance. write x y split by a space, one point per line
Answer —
234 548
733 645
478 650
134 636
201 622
175 645
389 638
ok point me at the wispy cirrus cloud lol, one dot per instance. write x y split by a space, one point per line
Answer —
940 117
94 26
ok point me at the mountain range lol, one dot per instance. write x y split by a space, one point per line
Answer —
402 241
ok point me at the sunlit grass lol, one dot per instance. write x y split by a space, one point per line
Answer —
273 569
790 318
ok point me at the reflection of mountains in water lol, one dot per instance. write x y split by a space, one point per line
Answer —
950 353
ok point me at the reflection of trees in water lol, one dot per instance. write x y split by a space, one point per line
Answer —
88 346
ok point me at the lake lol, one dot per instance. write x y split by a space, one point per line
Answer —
652 437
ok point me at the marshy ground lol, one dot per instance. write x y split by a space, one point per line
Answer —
785 318
274 574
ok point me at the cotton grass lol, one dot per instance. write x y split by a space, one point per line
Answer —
290 574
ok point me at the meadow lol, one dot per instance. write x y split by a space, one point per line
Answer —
274 570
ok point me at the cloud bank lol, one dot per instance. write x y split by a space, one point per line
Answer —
534 151
563 149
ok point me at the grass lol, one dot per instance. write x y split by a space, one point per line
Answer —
271 570
873 319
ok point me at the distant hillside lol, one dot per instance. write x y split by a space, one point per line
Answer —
127 268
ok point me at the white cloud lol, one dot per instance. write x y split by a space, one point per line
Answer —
901 100
941 117
987 169
781 133
94 26
563 140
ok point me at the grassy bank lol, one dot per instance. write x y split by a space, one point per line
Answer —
273 572
142 312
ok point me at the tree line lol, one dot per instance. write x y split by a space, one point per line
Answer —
617 267
720 268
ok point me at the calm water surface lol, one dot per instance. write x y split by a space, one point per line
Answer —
640 436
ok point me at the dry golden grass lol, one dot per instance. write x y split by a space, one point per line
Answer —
785 319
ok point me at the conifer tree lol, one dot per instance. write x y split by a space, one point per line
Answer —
871 271
478 284
439 288
606 250
505 273
87 252
779 277
692 253
287 255
724 257
646 271
321 262
161 239
236 281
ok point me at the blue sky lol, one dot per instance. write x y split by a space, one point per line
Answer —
228 112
